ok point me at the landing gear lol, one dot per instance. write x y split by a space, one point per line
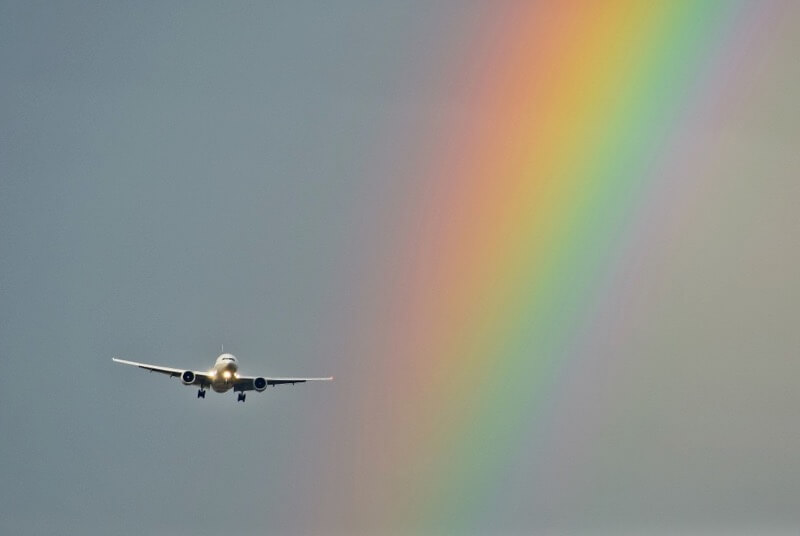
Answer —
241 397
201 393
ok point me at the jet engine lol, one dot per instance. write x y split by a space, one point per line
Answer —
188 377
259 384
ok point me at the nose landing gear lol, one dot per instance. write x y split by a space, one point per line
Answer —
241 397
201 393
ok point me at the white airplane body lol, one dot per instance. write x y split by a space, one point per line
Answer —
222 377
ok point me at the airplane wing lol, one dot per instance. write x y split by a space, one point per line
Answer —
200 378
247 383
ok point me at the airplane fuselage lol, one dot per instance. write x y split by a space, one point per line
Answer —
224 373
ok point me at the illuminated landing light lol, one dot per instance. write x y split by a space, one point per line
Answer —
226 375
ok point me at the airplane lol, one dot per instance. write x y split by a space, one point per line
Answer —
222 377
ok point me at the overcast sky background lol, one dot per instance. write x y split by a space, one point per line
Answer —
177 176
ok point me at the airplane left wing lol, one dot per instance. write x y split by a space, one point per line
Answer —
246 383
200 378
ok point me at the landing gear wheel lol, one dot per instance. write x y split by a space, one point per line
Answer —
201 393
241 397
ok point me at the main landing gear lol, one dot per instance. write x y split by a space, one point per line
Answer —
201 393
241 397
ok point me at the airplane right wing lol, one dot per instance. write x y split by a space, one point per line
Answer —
197 378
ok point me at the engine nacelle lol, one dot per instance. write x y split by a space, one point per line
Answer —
259 384
188 377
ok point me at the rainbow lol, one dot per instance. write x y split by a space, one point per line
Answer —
556 129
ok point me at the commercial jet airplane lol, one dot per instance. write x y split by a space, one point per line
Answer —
222 377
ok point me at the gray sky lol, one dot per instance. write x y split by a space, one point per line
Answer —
177 176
